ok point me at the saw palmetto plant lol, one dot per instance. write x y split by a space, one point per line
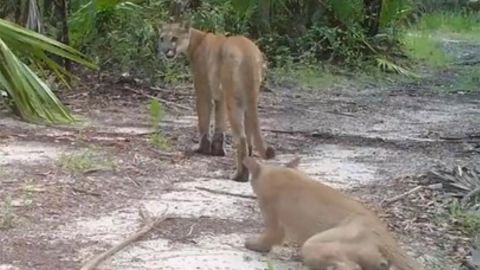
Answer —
31 97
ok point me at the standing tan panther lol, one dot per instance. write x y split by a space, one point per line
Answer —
227 74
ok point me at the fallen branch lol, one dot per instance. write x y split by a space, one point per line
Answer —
163 154
91 193
135 182
190 231
466 138
289 131
468 63
227 193
160 89
470 195
341 113
149 223
164 101
169 91
387 202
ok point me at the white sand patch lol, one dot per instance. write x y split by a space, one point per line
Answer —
213 252
28 152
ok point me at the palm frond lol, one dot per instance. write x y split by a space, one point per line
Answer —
33 100
26 41
387 65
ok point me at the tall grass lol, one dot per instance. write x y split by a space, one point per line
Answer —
459 22
422 46
422 40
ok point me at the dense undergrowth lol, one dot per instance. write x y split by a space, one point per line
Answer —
122 35
302 40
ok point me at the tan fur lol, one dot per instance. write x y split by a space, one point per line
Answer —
336 231
227 74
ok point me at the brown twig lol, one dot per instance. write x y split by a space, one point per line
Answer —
159 89
288 131
91 193
173 104
163 154
470 195
168 91
190 231
149 223
135 182
341 113
401 196
227 193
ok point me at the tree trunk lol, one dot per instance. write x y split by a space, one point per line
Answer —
62 26
373 10
194 5
18 12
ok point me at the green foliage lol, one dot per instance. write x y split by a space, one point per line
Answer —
469 79
465 219
156 115
85 161
31 98
443 5
395 12
465 79
424 47
7 217
388 66
349 12
459 22
311 76
120 33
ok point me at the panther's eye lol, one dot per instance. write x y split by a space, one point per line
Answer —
161 39
174 39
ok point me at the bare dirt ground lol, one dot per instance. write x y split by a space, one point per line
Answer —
372 142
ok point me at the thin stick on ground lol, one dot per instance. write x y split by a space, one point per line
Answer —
288 131
401 196
227 193
149 223
164 101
